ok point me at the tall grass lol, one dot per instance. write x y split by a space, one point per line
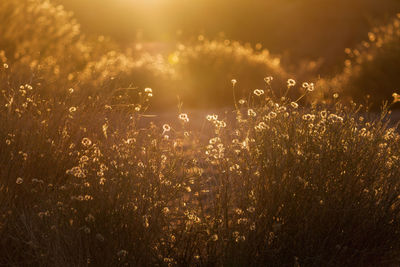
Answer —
88 177
84 182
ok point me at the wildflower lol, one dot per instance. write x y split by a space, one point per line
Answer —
262 125
214 140
72 109
258 92
214 237
19 180
310 87
5 66
372 36
251 209
148 90
86 142
166 210
166 128
214 117
307 117
335 118
71 90
239 211
184 117
396 98
251 113
291 83
146 222
242 101
294 105
268 79
272 115
220 124
335 95
233 81
84 158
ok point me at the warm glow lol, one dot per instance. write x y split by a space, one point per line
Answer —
199 133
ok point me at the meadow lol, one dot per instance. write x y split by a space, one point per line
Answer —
210 154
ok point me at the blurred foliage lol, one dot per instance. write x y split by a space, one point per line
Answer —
52 47
204 72
299 29
199 69
371 72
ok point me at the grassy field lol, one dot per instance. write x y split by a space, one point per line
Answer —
102 165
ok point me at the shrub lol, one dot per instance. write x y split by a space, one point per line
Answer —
52 47
371 69
205 70
84 180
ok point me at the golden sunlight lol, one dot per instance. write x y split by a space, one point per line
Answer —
199 133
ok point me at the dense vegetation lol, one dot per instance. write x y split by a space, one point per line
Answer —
89 177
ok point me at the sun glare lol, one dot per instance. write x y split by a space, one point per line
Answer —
199 133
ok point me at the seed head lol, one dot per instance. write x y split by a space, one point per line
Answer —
258 92
291 83
184 117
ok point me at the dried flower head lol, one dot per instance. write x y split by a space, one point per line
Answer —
396 98
166 128
291 83
251 112
184 117
268 79
258 92
86 142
